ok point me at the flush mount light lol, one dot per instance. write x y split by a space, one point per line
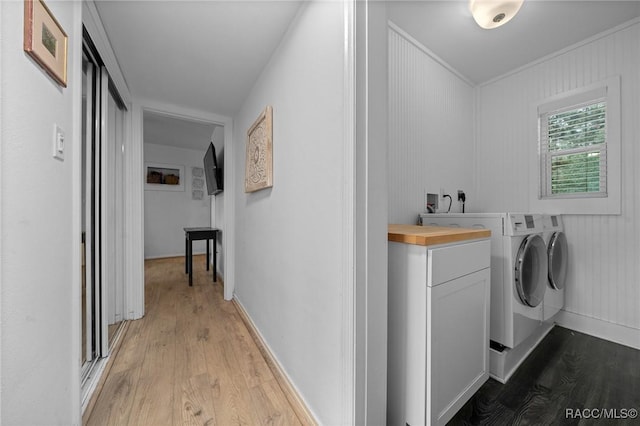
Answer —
493 13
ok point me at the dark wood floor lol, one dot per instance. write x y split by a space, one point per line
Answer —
567 371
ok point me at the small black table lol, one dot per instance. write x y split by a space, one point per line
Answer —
194 234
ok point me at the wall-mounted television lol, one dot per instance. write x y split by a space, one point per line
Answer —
212 172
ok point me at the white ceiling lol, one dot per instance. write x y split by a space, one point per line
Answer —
206 55
162 129
541 27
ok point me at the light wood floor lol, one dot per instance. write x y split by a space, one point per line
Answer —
190 360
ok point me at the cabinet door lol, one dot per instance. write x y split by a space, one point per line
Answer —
457 344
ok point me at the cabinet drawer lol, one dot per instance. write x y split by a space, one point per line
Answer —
451 262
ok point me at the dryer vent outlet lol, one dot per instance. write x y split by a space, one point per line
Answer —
430 202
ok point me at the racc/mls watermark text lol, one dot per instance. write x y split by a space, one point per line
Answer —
601 413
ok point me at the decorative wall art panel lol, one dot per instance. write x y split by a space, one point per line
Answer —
259 160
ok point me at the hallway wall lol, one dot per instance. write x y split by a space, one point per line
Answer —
40 263
289 254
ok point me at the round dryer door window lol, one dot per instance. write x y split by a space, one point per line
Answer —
558 253
531 270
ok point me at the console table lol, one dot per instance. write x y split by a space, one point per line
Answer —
194 234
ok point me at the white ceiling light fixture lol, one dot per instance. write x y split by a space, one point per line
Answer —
491 14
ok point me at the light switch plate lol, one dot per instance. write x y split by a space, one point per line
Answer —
58 142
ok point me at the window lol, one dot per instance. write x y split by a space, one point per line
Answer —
573 151
578 143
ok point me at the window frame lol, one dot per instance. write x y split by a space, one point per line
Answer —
547 155
607 202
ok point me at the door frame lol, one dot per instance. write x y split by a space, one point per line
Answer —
173 111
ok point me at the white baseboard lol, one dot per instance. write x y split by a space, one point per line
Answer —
292 393
166 256
598 328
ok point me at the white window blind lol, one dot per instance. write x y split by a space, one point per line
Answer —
573 148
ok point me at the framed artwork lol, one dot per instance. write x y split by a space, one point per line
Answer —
259 161
163 177
45 40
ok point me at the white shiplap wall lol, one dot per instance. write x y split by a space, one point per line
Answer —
603 289
430 129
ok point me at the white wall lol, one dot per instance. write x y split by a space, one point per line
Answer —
166 213
603 275
431 134
289 250
217 202
40 261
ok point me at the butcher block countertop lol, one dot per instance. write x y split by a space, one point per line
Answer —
432 235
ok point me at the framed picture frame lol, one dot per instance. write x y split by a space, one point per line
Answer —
45 40
259 159
163 177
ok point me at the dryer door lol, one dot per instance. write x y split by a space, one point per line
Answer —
531 268
558 255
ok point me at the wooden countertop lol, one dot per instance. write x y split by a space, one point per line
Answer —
431 235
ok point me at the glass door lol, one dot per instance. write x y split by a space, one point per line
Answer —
103 125
113 213
90 215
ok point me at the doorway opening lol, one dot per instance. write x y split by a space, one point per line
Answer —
179 142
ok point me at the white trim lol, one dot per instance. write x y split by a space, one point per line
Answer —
228 233
370 211
1 210
349 390
103 199
598 328
93 24
561 52
169 256
134 217
92 382
244 314
190 114
180 112
429 53
75 84
596 205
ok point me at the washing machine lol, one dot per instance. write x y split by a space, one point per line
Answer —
557 259
518 270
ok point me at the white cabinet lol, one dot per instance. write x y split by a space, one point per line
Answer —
438 331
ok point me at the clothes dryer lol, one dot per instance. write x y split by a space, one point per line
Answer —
558 258
518 270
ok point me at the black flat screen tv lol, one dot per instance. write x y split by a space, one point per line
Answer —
212 172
